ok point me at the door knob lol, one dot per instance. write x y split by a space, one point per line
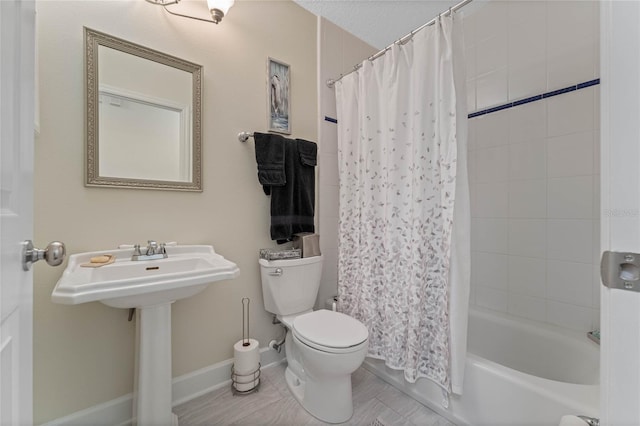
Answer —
53 254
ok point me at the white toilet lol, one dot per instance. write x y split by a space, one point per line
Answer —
323 347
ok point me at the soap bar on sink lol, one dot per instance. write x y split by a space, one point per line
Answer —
97 261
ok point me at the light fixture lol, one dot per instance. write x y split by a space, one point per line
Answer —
218 9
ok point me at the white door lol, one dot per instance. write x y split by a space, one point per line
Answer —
17 54
620 223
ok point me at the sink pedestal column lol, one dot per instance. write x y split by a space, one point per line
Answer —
154 366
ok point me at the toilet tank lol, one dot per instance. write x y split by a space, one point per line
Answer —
290 286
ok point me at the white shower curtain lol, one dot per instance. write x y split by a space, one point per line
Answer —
403 267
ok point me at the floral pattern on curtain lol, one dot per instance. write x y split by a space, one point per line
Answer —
397 167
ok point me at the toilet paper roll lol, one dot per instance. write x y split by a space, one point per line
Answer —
571 420
246 359
246 383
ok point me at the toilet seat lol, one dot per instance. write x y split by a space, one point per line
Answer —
330 331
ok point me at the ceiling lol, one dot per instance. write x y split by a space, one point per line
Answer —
378 22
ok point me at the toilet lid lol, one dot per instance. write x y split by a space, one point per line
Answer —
330 329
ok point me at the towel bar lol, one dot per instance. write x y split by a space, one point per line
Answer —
244 136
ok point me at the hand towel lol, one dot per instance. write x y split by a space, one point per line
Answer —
308 152
270 156
293 205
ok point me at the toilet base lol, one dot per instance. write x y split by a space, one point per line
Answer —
329 401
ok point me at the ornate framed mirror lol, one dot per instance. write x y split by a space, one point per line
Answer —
143 116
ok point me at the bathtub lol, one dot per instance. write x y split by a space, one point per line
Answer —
518 372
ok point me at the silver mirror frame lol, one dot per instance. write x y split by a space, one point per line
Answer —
93 39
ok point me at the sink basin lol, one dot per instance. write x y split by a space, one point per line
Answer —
131 284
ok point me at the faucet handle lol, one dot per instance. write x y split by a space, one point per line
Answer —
136 250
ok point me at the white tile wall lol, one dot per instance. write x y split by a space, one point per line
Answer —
524 276
570 282
490 200
490 298
524 121
492 164
528 160
491 54
489 235
570 197
570 240
533 169
539 258
572 112
529 307
571 55
528 199
527 43
492 88
569 316
527 237
490 21
489 130
490 270
571 155
526 11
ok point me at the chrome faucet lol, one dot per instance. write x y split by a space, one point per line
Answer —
591 421
153 251
152 247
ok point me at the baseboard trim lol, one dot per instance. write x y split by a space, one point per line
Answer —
119 411
199 382
115 412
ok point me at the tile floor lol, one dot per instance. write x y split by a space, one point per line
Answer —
274 405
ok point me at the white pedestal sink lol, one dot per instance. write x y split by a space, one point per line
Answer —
150 286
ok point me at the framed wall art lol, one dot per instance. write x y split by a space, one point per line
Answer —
279 96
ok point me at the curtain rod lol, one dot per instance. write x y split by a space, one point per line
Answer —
402 40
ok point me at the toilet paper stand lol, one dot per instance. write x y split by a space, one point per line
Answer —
251 380
245 383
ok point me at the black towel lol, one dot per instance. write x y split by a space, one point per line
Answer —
308 152
292 205
270 159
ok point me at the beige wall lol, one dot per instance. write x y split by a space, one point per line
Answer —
339 51
83 355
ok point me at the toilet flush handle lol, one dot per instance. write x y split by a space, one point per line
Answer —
276 272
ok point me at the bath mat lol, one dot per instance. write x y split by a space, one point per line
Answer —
378 422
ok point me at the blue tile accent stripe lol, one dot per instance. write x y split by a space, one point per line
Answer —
527 100
520 101
589 83
559 92
534 98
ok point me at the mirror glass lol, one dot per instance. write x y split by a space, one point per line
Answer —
143 116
